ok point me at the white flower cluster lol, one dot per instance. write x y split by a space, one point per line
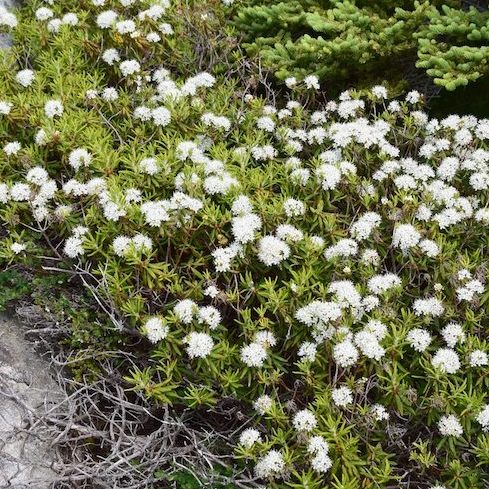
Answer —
249 437
311 82
218 122
318 315
185 311
446 360
155 329
405 237
382 283
318 448
343 248
7 18
245 223
79 157
345 353
272 250
379 412
53 108
469 290
483 418
74 245
478 358
5 107
179 206
428 307
122 245
304 421
263 404
294 208
342 396
18 247
25 77
270 465
199 345
365 225
453 333
419 339
255 353
450 426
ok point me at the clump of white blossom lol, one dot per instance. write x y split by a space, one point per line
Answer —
342 396
155 329
318 448
199 345
270 465
249 437
450 426
272 250
304 421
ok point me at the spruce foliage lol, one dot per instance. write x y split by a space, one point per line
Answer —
359 42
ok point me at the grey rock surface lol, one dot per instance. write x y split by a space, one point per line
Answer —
26 387
4 38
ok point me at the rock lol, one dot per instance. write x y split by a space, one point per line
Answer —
4 38
26 387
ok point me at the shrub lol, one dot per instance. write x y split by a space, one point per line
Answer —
13 286
324 268
354 42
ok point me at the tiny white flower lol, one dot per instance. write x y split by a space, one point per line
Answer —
79 157
212 291
446 360
379 412
70 19
478 358
272 250
291 81
5 107
185 310
25 77
253 355
307 351
483 418
271 465
312 82
249 437
53 108
155 329
419 339
129 67
450 426
43 13
304 421
342 396
199 345
12 148
18 248
263 404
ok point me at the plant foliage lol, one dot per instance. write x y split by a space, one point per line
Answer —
326 269
354 42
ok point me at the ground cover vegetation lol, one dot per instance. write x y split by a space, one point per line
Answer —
321 264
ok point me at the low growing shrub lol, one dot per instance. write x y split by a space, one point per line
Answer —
324 268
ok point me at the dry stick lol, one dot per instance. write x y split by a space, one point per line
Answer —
102 414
